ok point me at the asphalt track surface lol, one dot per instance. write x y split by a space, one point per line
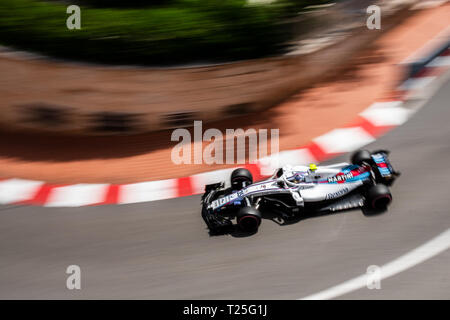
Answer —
161 250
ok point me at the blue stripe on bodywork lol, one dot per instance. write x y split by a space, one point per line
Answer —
362 176
349 168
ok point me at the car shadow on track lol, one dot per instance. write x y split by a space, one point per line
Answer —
237 232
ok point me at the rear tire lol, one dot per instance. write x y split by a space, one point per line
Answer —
248 219
241 177
379 197
361 156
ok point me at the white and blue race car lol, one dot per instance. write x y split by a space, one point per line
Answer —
294 190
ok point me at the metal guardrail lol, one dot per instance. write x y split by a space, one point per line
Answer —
416 66
435 47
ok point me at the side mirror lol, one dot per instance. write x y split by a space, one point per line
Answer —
279 172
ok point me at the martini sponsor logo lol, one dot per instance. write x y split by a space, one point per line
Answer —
340 178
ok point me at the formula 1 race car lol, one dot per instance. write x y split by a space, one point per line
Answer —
293 191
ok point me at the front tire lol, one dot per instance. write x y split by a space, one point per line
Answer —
240 178
379 197
249 219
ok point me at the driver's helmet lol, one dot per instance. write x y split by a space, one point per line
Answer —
312 167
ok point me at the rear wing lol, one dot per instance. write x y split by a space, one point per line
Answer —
384 167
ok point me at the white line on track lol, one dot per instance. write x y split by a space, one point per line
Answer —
416 256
